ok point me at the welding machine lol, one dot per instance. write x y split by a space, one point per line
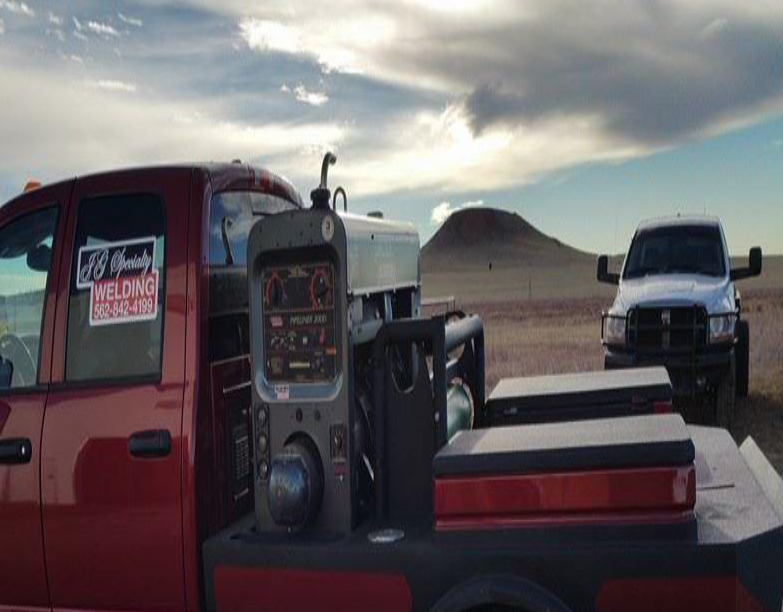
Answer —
321 285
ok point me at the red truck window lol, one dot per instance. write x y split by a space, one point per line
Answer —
232 214
25 256
115 311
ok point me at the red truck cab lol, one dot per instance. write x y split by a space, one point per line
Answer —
124 341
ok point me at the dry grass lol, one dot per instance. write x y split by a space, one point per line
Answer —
540 337
562 335
546 319
761 415
504 284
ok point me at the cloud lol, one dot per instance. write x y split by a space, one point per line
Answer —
442 97
78 31
265 35
93 129
113 85
57 33
55 19
2 26
443 211
714 27
18 8
656 96
302 94
645 72
313 98
95 27
440 213
130 20
440 152
335 44
777 144
102 29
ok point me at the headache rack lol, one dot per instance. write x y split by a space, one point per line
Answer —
680 329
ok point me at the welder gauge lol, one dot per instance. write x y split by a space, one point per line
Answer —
327 228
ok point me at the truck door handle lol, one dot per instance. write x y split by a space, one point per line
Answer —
150 444
15 451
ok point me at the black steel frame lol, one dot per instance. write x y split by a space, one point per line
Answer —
438 339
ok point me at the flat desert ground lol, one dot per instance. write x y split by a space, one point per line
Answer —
541 320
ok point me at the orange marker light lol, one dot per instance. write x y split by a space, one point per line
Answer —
31 185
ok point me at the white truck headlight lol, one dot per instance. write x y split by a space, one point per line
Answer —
722 328
614 330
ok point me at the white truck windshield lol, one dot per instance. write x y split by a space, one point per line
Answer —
683 249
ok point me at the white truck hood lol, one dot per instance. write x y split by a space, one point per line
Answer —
715 294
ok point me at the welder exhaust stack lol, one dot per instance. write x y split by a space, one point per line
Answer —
321 286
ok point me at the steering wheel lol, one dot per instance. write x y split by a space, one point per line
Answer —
14 350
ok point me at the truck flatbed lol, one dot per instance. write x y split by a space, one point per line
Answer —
571 567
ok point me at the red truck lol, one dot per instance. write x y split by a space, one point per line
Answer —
129 467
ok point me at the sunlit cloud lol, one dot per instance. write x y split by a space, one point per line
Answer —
130 20
57 33
182 131
439 152
94 27
444 210
442 96
103 29
302 94
714 27
335 44
18 8
519 63
78 30
114 85
313 98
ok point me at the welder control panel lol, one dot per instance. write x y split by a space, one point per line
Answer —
300 336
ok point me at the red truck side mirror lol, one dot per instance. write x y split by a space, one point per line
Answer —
603 273
754 268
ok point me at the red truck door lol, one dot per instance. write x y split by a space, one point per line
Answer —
111 458
28 283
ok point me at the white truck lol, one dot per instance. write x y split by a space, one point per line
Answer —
677 306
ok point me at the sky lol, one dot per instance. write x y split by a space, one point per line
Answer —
584 117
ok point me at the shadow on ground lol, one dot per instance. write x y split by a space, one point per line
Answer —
761 416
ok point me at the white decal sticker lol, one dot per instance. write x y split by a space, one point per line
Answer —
282 392
122 281
327 228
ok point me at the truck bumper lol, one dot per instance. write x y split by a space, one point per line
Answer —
691 374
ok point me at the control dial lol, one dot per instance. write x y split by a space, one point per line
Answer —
321 292
274 292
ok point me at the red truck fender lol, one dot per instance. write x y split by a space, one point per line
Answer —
501 590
